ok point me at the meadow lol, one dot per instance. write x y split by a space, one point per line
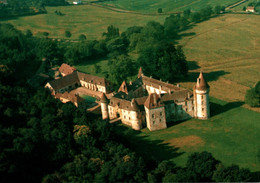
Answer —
231 135
227 49
151 6
83 19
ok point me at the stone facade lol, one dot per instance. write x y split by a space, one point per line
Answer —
152 103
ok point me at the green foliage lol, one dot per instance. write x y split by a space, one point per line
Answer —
231 174
219 9
97 68
67 34
112 32
159 10
203 165
82 37
120 67
174 24
46 34
252 96
168 61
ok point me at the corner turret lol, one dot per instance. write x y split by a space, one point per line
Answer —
104 106
201 98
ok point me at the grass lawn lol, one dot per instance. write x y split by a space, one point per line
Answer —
83 19
231 135
151 6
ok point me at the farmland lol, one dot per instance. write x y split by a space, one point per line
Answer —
84 19
151 6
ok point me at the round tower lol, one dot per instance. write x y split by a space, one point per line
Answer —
104 106
136 122
201 98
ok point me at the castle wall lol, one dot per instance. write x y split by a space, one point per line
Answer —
131 118
152 89
92 86
155 118
113 112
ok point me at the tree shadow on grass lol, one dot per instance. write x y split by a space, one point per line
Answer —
193 65
212 76
216 109
255 177
150 150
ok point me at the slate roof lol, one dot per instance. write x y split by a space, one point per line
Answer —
92 79
64 81
201 83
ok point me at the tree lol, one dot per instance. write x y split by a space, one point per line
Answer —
244 8
97 68
231 174
46 34
112 32
187 13
203 165
67 34
252 96
196 17
120 67
28 33
167 60
82 37
159 10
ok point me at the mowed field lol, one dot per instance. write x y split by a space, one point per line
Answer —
227 49
231 135
151 6
83 19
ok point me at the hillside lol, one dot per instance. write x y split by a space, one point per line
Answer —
228 49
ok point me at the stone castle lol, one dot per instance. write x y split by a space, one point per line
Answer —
152 103
145 102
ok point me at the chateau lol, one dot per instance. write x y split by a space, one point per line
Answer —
145 102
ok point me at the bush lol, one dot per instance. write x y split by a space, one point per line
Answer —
159 10
252 96
67 34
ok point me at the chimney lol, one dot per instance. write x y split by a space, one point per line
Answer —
154 98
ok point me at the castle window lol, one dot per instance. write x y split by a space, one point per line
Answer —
160 113
153 122
202 109
124 117
152 115
160 120
185 102
129 118
186 109
201 102
201 96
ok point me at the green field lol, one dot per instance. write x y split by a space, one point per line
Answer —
231 135
83 19
151 6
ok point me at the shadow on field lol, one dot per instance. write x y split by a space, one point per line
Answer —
150 150
216 109
212 76
193 65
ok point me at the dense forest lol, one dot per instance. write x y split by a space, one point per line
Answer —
44 140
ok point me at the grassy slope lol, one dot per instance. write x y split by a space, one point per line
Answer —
231 136
227 48
84 19
151 6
